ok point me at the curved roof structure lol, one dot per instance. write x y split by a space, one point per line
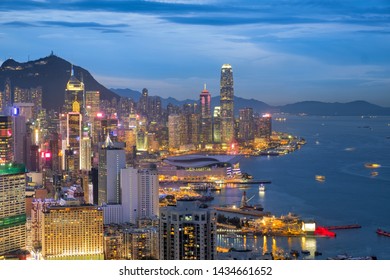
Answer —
188 161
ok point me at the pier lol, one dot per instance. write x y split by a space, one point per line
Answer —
352 226
252 213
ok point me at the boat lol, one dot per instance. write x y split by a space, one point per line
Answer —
372 165
316 253
294 253
305 252
320 178
262 188
382 232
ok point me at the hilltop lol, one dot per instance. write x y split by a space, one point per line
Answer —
51 73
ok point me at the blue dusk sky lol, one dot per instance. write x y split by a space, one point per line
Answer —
281 51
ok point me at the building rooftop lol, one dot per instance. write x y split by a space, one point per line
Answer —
201 160
12 168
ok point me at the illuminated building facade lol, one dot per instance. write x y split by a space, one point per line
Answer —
74 91
264 126
85 153
72 232
92 103
143 104
227 102
187 232
6 139
174 130
140 243
38 206
109 125
205 117
12 207
126 242
5 100
74 135
246 124
217 125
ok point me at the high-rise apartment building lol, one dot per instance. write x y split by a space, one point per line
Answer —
6 139
12 207
143 104
140 193
187 232
264 126
175 126
227 104
72 232
205 117
246 124
92 103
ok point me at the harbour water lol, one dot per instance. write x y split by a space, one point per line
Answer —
338 149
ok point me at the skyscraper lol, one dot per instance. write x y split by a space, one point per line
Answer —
73 135
12 207
72 232
6 139
264 126
226 102
74 91
187 232
140 194
205 117
246 124
111 160
175 131
92 103
217 124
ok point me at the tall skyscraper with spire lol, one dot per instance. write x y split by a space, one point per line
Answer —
205 117
226 102
74 91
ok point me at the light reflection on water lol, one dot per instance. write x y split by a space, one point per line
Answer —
265 244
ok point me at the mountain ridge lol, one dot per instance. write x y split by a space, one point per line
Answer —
52 74
352 108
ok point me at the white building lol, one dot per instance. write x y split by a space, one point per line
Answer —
111 160
140 193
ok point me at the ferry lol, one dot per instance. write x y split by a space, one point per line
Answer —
262 188
372 165
374 174
320 178
382 232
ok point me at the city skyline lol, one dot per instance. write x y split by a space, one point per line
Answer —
320 51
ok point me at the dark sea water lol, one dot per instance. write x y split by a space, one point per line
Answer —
337 148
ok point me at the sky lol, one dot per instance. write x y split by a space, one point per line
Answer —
281 51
